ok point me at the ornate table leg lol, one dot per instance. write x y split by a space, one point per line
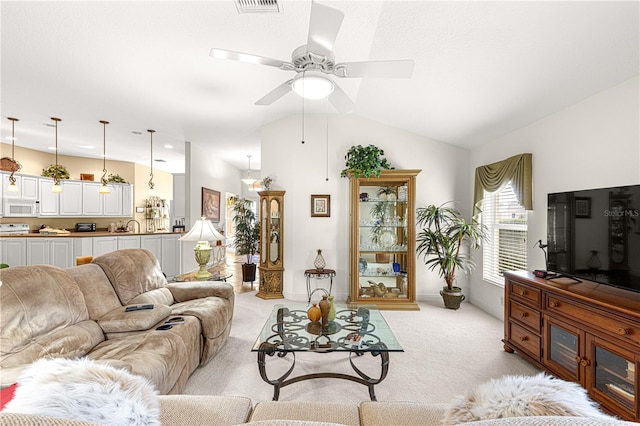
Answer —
384 368
267 348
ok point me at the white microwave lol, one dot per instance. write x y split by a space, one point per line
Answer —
21 208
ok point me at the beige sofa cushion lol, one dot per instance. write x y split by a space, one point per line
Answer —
133 272
98 292
157 355
401 413
12 419
345 414
201 410
43 314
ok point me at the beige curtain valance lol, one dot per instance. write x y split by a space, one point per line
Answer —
493 177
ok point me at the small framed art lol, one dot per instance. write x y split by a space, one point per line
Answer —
211 204
583 207
320 205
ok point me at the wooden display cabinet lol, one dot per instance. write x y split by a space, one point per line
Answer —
584 332
271 244
382 240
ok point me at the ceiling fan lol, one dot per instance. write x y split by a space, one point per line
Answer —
315 60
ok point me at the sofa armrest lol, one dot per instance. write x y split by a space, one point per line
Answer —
191 290
118 320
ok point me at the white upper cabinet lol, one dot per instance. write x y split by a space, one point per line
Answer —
49 202
92 199
113 201
71 198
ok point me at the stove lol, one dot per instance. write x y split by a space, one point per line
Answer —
14 228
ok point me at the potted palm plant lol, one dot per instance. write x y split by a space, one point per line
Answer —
444 231
247 236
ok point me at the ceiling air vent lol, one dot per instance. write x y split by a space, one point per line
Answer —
257 6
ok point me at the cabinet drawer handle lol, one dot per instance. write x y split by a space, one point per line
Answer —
524 338
585 362
524 314
522 292
553 304
623 331
578 359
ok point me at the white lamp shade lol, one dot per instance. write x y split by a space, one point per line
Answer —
312 86
104 189
202 230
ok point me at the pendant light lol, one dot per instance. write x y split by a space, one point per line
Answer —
248 180
104 189
13 188
152 185
56 188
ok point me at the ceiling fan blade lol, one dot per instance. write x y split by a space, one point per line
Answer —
324 25
245 57
376 69
341 100
275 94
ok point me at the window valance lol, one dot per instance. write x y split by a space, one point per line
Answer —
493 177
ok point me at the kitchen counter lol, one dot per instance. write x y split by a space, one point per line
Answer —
73 234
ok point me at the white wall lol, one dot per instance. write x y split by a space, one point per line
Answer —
301 170
204 169
594 143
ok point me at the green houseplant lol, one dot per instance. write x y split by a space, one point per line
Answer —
444 232
366 161
247 236
50 172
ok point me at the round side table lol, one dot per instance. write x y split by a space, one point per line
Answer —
319 274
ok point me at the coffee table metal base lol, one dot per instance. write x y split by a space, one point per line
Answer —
267 348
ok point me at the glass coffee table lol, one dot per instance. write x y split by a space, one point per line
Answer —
356 331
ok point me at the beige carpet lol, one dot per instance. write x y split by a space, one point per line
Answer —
445 352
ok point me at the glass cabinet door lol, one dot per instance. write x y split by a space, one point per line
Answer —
382 264
382 240
613 374
562 348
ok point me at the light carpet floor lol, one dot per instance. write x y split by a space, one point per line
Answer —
445 353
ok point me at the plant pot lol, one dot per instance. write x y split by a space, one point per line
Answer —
452 298
248 272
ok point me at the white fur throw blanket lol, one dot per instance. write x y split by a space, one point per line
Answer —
86 390
520 396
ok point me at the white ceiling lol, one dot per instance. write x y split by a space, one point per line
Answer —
482 69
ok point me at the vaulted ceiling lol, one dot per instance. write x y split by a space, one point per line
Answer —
482 69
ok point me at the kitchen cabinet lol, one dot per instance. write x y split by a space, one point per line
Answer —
51 251
129 241
171 255
27 187
92 200
49 202
382 240
127 200
166 248
71 198
13 251
583 332
113 201
102 245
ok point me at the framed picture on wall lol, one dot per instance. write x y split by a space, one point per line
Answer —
211 204
583 207
320 205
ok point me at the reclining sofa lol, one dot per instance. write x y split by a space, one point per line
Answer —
93 310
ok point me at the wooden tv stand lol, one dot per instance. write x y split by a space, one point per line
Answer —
584 332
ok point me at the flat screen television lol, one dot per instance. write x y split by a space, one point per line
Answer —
594 235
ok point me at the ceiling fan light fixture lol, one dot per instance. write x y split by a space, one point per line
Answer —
312 86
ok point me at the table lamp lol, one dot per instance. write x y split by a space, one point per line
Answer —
202 232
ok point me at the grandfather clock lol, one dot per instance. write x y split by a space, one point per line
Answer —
271 250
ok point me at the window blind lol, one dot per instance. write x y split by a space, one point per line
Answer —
506 222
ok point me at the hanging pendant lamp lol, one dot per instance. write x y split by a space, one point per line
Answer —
152 190
104 189
56 188
13 188
248 180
